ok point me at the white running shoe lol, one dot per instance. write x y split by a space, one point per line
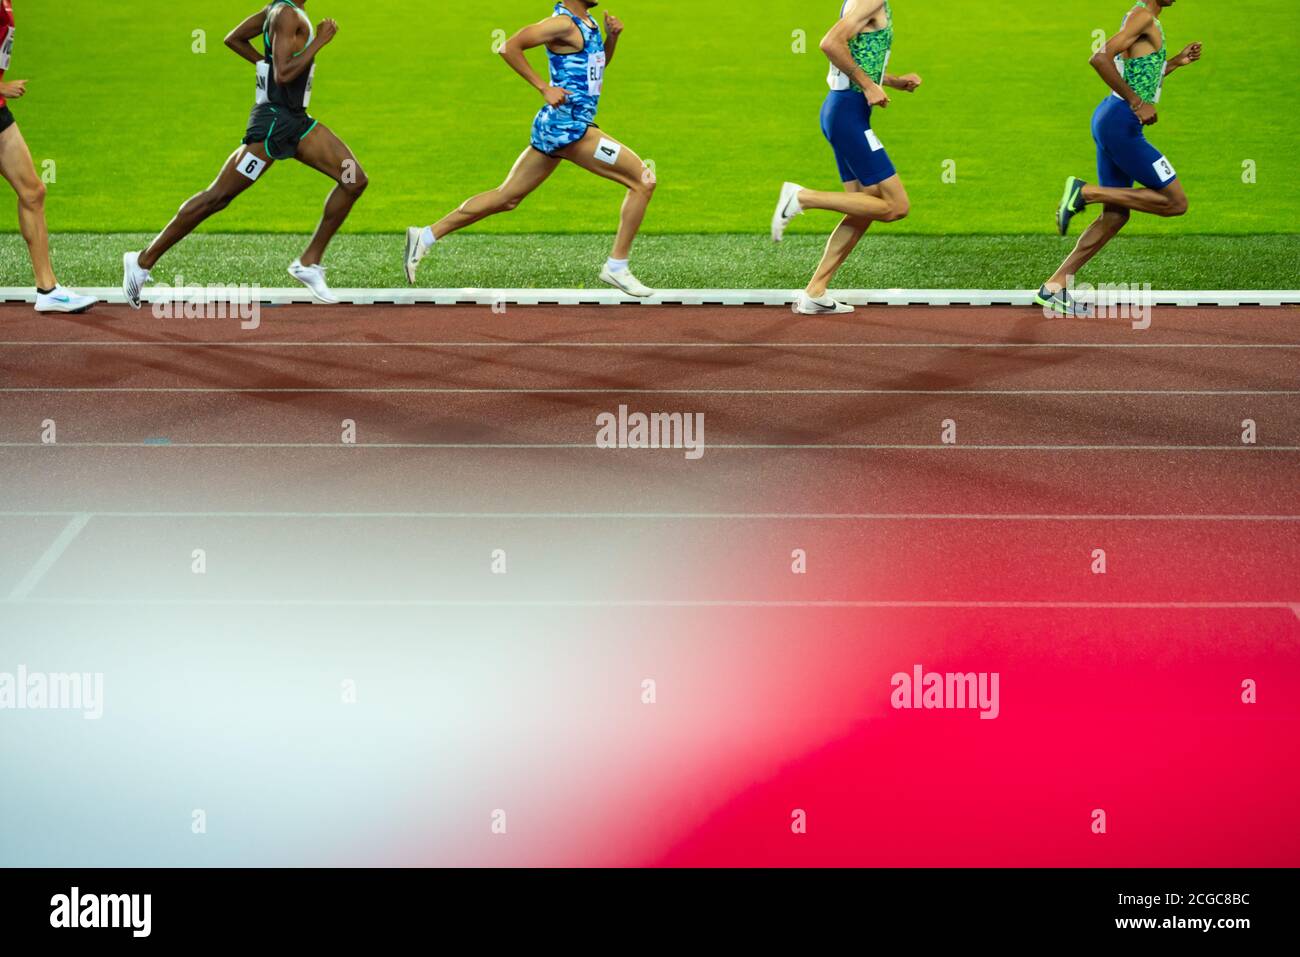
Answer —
133 279
624 280
787 208
415 251
806 305
313 277
59 299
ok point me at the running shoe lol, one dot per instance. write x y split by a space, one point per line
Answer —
806 305
1071 204
415 251
59 299
624 280
1061 303
133 279
787 208
313 277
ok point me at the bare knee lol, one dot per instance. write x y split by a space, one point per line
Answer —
216 202
1114 219
355 184
645 184
1177 206
508 202
211 202
32 194
898 209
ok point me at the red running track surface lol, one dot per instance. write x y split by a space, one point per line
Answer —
475 432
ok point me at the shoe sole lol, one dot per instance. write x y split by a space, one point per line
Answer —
1052 304
126 289
67 312
821 312
412 237
627 292
779 221
1063 212
314 294
1066 310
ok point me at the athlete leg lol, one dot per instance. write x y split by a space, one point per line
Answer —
239 173
841 244
1093 241
17 167
850 231
1170 201
605 156
324 152
529 172
887 204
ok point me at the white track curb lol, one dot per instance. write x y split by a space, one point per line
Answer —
685 297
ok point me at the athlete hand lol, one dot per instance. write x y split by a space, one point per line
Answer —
1146 113
13 90
908 82
327 31
1191 53
554 95
877 97
613 26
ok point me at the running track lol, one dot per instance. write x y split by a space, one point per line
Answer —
475 432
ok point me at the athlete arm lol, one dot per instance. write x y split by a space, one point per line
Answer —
1103 61
530 37
857 15
287 66
1191 53
908 82
613 30
239 38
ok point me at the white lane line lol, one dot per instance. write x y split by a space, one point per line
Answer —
689 297
1296 609
542 344
674 516
669 603
253 390
711 447
51 555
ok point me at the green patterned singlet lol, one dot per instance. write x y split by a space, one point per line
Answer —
1145 74
870 51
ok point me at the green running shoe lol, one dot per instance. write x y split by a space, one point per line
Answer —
1060 303
1071 204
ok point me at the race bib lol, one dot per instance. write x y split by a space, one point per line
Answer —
251 166
263 79
836 79
264 82
7 50
595 73
607 151
874 141
1164 169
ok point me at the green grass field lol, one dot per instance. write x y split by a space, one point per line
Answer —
695 261
718 96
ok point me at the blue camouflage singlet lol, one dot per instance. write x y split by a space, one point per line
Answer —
582 74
